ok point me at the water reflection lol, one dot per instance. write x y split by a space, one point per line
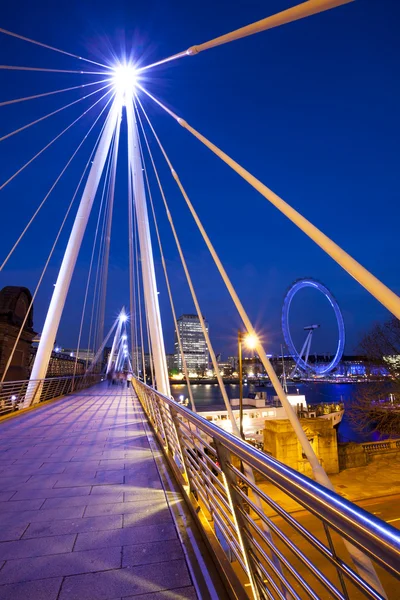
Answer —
209 395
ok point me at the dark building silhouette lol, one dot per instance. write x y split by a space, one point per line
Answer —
14 305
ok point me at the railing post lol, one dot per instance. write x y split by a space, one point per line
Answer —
174 418
235 500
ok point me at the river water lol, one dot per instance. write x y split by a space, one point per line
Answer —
208 396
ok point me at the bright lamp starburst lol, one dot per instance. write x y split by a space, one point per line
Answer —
124 79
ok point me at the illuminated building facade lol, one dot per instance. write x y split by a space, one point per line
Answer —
193 344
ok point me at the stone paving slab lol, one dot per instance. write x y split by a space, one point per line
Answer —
42 589
66 526
83 513
186 593
133 581
72 563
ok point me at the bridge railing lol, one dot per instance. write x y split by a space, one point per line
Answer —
278 534
15 395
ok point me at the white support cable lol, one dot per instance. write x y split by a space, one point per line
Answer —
149 347
92 327
146 252
371 283
51 189
19 68
361 561
135 289
100 350
36 291
305 9
46 265
139 303
171 301
44 94
54 112
3 185
88 282
107 240
115 340
132 279
94 321
61 288
99 269
235 429
228 406
26 39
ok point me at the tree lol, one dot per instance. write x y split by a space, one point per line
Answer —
376 406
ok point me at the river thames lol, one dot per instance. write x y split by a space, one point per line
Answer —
208 396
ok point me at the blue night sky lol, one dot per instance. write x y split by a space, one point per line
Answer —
310 108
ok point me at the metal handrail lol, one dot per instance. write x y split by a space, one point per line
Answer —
15 395
191 438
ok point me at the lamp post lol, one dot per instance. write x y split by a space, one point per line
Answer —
250 341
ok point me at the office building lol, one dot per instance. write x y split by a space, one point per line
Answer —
193 344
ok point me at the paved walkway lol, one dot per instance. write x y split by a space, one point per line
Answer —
83 512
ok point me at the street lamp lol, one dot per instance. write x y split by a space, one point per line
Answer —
250 341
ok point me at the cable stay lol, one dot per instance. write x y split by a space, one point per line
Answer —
47 264
306 9
92 327
361 561
51 189
43 70
199 312
371 283
89 278
68 89
171 301
235 429
26 39
107 238
3 185
99 281
54 112
103 345
132 266
140 311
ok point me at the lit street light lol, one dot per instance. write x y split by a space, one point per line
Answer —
250 341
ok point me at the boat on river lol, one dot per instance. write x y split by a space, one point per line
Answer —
257 408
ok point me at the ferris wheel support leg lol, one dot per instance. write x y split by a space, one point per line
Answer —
61 288
309 338
301 353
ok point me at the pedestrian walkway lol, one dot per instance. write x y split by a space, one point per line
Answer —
83 510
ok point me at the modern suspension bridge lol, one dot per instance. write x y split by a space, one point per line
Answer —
217 506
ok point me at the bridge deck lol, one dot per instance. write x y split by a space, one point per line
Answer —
83 511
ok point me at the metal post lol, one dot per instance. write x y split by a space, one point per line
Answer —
146 253
240 338
61 288
236 502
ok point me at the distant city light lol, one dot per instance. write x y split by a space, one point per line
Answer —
178 376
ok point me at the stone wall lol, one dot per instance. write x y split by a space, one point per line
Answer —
353 455
281 442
